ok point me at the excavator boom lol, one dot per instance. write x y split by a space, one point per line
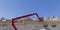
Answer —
13 19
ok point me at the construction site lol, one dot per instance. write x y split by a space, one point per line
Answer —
27 23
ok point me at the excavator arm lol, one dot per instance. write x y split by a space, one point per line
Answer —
13 19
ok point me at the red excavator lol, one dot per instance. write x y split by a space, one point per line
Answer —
13 19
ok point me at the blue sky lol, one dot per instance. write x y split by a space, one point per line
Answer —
15 8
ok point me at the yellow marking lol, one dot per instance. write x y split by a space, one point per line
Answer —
30 22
